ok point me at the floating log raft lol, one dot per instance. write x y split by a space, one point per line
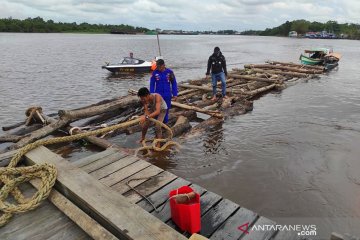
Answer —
104 214
194 95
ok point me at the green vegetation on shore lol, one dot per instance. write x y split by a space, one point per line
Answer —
349 30
38 25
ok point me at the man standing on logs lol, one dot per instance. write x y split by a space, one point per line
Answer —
163 82
217 64
154 106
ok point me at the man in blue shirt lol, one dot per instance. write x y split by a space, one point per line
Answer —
163 82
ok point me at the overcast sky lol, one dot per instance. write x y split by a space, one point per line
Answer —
186 15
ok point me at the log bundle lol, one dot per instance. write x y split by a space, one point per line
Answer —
192 105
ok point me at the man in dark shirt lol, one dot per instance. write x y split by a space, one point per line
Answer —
217 65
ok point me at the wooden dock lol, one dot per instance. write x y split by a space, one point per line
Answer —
96 185
91 198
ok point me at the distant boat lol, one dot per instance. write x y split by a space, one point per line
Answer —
321 56
320 35
293 34
129 65
315 56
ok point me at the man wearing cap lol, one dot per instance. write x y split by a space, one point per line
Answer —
163 82
217 64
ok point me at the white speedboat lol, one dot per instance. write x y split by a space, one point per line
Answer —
129 65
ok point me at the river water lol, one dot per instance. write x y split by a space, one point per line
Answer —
294 158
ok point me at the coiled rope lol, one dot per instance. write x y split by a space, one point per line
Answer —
11 176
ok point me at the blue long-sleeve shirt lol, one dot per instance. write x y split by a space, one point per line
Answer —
164 83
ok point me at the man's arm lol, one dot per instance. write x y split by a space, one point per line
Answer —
224 66
173 84
208 66
152 83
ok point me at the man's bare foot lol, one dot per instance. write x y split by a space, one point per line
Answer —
213 98
226 97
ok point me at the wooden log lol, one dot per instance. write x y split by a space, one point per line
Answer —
107 207
297 65
190 115
292 74
84 221
261 90
250 78
10 138
108 115
40 133
204 88
194 94
71 115
196 109
6 157
182 125
7 128
291 69
204 126
26 129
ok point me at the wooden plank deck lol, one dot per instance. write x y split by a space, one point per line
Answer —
220 217
31 225
109 208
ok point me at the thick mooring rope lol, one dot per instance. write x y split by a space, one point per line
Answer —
12 176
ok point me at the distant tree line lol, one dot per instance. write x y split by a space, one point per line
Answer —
352 31
39 25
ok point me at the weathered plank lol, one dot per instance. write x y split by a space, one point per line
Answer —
142 175
208 200
165 214
259 234
102 162
84 221
159 197
216 216
41 223
94 157
150 186
113 167
124 172
109 208
229 230
6 157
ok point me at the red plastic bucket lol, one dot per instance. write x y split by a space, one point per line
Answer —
186 215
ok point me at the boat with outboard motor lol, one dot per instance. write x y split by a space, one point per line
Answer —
321 56
129 65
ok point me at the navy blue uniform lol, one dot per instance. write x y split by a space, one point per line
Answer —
164 83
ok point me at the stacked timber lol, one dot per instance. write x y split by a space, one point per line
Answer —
243 86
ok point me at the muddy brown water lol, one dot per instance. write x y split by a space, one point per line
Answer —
294 158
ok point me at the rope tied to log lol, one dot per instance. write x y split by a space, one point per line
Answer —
11 176
32 113
168 142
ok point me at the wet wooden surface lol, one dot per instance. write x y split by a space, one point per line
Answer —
220 217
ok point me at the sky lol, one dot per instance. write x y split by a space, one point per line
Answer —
202 15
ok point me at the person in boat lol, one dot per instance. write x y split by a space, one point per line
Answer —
163 82
217 65
154 107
